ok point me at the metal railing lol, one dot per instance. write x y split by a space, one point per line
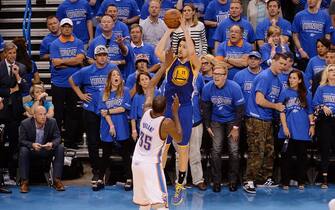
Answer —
26 26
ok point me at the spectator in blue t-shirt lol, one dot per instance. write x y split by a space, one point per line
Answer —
39 98
235 18
207 65
113 105
273 7
79 11
234 51
223 105
66 54
275 44
128 10
308 26
324 104
119 27
139 47
92 79
117 49
54 29
246 76
297 126
216 12
317 63
262 103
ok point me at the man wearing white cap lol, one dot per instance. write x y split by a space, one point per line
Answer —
66 54
93 79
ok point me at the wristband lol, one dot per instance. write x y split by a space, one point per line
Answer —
235 127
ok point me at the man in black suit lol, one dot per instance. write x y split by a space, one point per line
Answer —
12 85
39 137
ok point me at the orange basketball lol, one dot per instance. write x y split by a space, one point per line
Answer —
172 17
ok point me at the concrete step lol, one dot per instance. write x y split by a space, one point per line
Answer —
20 20
22 9
37 32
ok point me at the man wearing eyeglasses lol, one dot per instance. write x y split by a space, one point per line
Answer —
223 105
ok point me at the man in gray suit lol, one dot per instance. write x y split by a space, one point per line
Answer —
39 137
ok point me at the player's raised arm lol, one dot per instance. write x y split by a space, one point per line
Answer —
172 127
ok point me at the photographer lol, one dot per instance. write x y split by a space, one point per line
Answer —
324 103
39 96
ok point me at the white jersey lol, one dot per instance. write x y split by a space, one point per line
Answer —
149 146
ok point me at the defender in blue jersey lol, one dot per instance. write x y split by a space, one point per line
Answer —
180 77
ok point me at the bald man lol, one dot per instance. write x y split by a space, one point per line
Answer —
39 138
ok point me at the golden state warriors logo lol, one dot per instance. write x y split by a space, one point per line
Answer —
180 75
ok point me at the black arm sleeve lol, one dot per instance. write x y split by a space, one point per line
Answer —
206 107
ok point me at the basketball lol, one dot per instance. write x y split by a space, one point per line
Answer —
172 17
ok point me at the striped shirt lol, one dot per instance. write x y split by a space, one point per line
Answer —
197 33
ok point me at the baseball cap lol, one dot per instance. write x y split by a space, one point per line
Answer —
255 54
100 49
66 21
141 57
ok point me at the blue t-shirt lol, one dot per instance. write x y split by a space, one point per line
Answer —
228 50
114 51
314 66
207 78
69 49
199 84
46 104
2 44
148 50
265 51
79 12
119 28
93 80
269 85
127 8
325 95
222 31
120 121
310 28
224 100
244 79
45 44
296 116
215 12
165 6
137 105
263 27
179 80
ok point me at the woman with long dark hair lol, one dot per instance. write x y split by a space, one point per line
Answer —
23 57
297 127
136 112
324 103
114 127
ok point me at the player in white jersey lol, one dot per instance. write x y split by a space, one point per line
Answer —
148 176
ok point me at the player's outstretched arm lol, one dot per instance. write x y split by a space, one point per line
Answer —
165 65
159 50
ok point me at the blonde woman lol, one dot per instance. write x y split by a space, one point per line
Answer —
114 129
